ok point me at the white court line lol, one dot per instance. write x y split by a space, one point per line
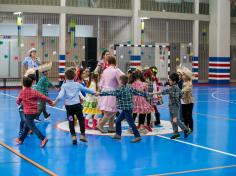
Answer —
8 95
164 137
199 146
219 99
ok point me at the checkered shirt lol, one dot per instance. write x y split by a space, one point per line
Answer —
43 85
174 93
29 98
124 96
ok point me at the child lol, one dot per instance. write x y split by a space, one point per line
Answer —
149 80
42 86
124 96
187 99
141 105
29 98
157 100
174 106
70 90
90 104
31 74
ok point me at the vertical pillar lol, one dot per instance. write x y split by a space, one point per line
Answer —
62 44
136 35
219 44
195 57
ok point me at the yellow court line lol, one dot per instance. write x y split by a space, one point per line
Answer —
27 159
196 170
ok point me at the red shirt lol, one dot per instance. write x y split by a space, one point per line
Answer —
29 99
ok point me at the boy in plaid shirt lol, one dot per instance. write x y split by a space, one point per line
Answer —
125 103
31 74
29 98
175 95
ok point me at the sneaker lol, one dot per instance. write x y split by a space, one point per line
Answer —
100 129
186 133
37 120
18 141
43 143
74 140
175 136
148 128
47 116
116 136
136 139
83 138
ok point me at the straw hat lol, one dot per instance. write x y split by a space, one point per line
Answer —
146 67
32 50
180 70
30 71
45 67
187 72
140 68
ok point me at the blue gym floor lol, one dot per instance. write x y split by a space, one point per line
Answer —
210 150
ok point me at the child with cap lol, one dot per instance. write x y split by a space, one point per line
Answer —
42 86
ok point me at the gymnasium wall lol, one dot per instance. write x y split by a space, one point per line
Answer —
111 30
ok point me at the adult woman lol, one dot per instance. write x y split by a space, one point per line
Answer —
103 63
32 61
107 104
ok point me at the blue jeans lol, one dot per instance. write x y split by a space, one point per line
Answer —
126 114
30 125
22 119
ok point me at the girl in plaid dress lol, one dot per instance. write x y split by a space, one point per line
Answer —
153 86
140 104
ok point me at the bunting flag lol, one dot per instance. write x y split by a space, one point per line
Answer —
19 24
72 33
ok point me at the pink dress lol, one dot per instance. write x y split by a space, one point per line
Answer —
109 81
140 104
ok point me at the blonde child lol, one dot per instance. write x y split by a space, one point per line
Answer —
187 99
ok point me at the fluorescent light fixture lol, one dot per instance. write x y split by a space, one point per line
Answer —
144 18
17 13
49 24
